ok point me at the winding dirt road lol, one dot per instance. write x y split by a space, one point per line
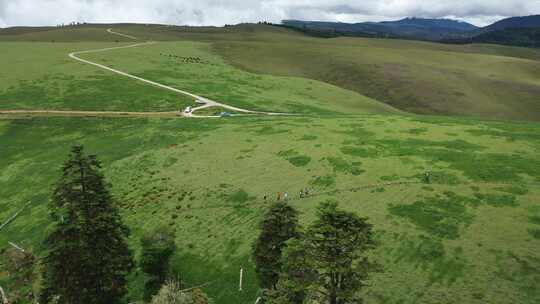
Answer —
120 34
204 102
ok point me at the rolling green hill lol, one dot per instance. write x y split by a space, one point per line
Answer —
212 77
40 75
412 76
426 78
525 37
472 235
474 227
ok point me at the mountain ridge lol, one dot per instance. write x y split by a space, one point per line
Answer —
531 21
422 28
439 30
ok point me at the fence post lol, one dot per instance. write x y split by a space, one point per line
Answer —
241 278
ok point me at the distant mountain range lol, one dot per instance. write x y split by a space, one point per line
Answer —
515 22
418 28
527 37
522 31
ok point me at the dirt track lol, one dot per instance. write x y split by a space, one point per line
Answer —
89 113
202 101
205 102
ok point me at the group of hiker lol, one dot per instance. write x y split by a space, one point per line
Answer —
284 196
305 192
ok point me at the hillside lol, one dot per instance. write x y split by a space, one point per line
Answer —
470 233
416 77
57 82
503 32
207 178
515 31
158 32
435 24
514 22
523 37
415 28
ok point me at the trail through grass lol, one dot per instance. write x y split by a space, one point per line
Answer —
207 178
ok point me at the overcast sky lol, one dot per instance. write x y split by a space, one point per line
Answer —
220 12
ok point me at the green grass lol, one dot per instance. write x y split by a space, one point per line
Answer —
214 78
179 172
440 217
419 77
65 34
42 76
295 158
469 236
475 80
51 80
341 165
156 32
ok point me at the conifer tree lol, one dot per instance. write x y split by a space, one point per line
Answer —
87 257
336 244
297 273
279 225
328 263
296 278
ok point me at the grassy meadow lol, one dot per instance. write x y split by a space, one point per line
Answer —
210 76
474 227
471 235
52 80
415 77
483 81
37 75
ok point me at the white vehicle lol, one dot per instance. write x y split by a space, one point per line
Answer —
188 110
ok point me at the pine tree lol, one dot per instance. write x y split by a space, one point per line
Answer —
87 258
336 245
279 225
297 274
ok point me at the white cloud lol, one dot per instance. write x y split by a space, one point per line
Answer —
219 12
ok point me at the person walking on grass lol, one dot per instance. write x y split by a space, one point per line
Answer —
285 196
427 178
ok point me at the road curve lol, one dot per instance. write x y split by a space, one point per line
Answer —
204 102
73 55
120 34
199 99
